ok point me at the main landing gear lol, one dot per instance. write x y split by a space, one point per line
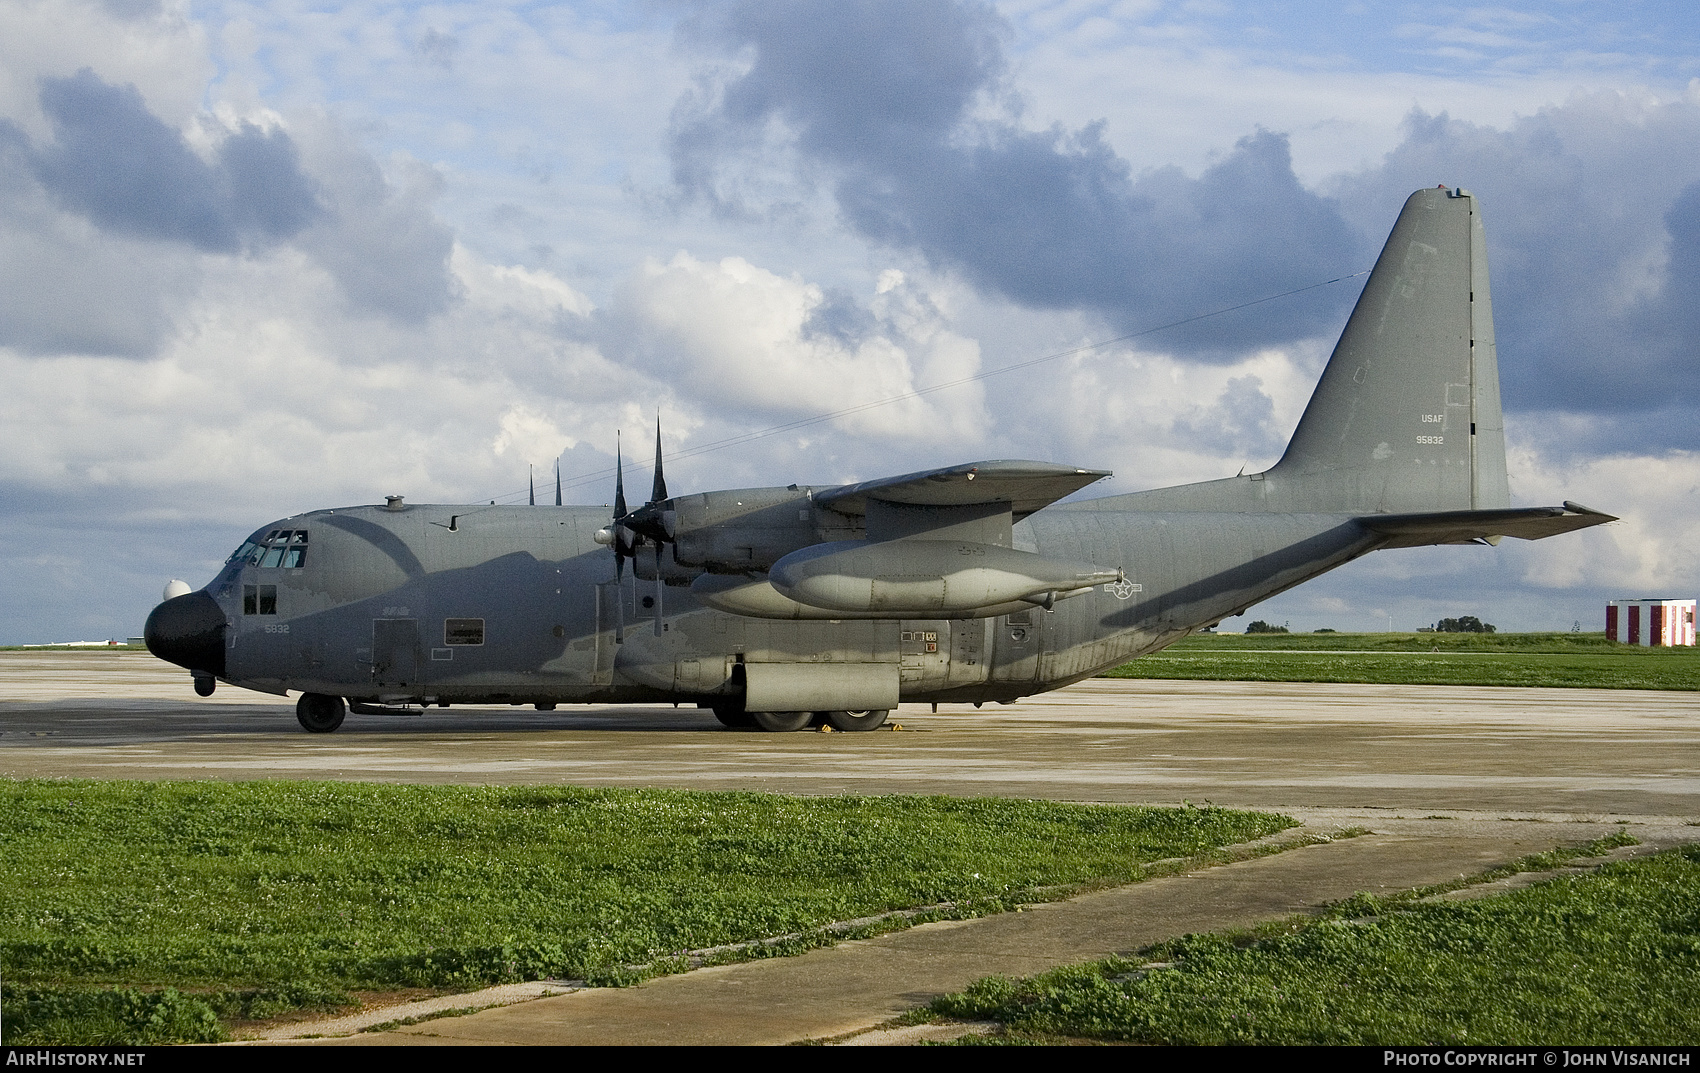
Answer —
320 714
731 713
855 720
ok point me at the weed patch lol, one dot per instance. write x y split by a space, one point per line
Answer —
1611 957
134 912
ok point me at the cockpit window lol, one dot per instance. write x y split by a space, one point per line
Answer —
295 554
286 548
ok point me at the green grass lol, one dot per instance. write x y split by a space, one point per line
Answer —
1518 659
1611 957
1420 642
152 912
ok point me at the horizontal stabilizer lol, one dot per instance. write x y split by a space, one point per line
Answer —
1472 526
1027 487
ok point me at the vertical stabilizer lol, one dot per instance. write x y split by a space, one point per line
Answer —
1406 417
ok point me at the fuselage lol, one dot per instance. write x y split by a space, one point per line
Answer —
469 604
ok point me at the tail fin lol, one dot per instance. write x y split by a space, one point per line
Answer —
1406 418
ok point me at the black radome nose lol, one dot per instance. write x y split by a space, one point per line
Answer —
188 630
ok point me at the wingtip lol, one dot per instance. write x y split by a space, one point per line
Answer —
1577 508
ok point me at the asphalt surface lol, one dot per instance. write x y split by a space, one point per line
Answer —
1574 752
1447 780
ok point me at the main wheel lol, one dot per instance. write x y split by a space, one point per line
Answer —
856 720
732 714
320 714
781 722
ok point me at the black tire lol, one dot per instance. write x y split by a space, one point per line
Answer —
781 722
856 720
732 714
204 685
320 714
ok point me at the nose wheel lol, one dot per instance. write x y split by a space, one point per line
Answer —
320 714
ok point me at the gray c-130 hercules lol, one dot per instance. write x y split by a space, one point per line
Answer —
776 607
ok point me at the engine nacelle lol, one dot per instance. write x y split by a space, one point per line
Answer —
921 578
749 529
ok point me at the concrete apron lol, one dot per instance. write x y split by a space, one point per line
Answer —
851 987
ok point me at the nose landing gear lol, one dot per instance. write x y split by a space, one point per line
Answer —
320 714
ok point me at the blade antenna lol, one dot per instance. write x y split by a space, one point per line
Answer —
619 480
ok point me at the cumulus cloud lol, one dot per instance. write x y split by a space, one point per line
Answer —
112 224
116 163
67 288
1654 550
530 435
380 237
732 336
884 99
106 223
1160 419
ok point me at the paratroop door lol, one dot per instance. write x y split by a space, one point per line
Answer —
396 666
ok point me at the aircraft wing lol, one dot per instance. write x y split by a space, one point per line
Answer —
1027 487
1472 526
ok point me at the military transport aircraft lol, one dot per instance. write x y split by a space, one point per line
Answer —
777 607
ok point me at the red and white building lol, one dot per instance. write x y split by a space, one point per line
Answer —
1651 622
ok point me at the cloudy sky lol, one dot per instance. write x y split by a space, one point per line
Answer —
257 258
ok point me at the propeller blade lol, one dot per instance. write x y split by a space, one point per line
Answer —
620 538
659 585
557 482
619 602
659 491
531 480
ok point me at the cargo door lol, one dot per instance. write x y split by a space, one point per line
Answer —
396 664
